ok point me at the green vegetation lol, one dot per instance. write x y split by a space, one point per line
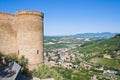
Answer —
106 62
60 73
89 56
109 45
22 61
45 72
94 53
52 43
83 74
69 74
0 58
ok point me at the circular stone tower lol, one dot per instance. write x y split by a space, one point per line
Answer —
30 37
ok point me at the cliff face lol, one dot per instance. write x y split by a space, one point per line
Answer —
22 34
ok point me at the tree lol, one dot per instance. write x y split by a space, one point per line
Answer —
24 62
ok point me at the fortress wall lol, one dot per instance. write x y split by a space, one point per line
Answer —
30 36
8 41
22 33
6 16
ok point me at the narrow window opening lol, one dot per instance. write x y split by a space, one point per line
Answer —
37 51
18 52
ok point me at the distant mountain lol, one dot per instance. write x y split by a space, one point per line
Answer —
95 35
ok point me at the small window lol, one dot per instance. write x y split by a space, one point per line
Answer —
18 52
37 51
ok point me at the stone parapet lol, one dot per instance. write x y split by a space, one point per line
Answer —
30 13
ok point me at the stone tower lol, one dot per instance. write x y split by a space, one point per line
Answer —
30 36
23 35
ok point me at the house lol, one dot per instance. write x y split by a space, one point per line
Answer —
107 56
109 73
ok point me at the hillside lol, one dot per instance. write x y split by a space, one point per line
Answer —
83 58
105 52
104 46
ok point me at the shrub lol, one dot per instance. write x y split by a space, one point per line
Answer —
44 71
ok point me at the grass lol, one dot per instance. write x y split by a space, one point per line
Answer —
106 62
1 64
112 44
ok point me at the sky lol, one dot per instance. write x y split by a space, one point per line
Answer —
67 17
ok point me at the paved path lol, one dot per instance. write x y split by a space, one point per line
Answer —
4 72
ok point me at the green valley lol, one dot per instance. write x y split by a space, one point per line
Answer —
83 58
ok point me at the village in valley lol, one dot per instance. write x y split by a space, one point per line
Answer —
65 52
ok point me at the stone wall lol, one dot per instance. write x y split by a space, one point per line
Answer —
22 34
8 36
30 36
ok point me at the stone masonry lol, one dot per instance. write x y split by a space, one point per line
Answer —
22 34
